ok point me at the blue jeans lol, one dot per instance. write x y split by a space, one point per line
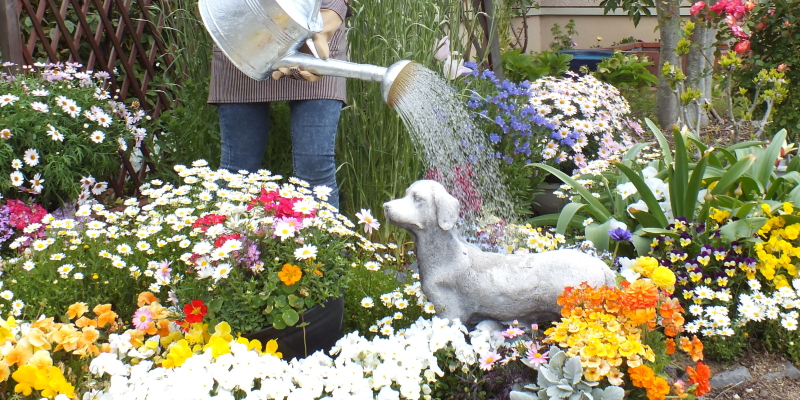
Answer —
245 133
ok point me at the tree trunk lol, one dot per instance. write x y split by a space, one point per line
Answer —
698 71
669 29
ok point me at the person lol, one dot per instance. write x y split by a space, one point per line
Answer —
315 104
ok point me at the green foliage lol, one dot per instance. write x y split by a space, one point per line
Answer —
774 42
625 71
725 348
562 378
519 67
635 9
563 40
376 156
682 184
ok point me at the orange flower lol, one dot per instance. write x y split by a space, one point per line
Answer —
101 308
658 389
640 294
145 298
77 310
670 346
700 376
83 321
290 274
693 347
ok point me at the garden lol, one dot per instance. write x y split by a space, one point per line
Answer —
181 280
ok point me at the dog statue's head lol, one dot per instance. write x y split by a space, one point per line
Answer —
426 205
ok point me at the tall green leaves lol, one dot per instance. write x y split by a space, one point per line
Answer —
377 159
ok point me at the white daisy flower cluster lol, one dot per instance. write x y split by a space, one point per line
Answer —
400 299
583 110
48 94
782 305
400 366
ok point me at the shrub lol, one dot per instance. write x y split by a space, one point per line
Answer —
774 43
59 126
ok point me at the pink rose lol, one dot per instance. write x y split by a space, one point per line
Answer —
739 32
749 5
719 7
742 47
697 7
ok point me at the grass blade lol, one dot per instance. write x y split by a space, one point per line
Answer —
598 211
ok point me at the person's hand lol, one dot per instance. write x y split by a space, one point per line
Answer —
330 24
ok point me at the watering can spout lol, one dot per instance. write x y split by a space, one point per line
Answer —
260 36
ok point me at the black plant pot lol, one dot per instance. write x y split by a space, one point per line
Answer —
323 330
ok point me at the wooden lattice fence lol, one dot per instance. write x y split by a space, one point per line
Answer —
121 37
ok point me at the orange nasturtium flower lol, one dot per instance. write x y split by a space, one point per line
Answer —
290 274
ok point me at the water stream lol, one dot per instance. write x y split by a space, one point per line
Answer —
456 152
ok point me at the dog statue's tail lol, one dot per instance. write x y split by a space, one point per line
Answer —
611 277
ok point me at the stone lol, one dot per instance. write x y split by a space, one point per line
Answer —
791 371
771 376
731 377
465 283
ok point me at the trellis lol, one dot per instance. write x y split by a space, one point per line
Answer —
103 35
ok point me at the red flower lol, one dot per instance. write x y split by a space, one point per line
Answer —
742 47
207 221
195 311
700 376
224 238
697 7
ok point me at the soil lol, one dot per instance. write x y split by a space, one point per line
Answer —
759 363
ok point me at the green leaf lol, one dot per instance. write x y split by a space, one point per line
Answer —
278 324
517 395
645 193
290 317
641 243
693 189
647 220
566 216
215 305
733 174
744 210
681 173
662 141
765 164
598 234
545 220
659 232
743 228
596 208
633 153
295 301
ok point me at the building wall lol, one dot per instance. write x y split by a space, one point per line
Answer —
589 22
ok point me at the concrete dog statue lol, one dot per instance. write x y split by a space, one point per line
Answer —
466 283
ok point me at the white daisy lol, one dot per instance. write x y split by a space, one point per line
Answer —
40 93
39 106
306 252
17 179
7 99
97 136
5 134
31 157
367 302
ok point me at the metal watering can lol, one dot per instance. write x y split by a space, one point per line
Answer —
260 36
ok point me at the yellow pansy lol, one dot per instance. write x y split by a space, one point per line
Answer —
178 354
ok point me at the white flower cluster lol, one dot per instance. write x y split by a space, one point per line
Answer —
783 305
583 110
399 366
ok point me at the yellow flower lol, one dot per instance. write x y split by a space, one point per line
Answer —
25 376
788 208
218 346
272 348
719 215
766 209
178 354
77 310
645 265
223 330
664 278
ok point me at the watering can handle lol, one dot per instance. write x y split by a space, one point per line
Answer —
332 67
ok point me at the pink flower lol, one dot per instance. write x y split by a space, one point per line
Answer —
487 361
719 7
365 217
512 332
739 32
697 7
742 47
782 67
142 319
536 358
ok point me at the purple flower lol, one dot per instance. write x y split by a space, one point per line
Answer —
620 234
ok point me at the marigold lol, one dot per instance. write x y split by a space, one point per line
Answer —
290 274
664 278
640 294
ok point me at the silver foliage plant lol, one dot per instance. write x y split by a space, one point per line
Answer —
561 379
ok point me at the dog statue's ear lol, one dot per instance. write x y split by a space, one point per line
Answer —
447 208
